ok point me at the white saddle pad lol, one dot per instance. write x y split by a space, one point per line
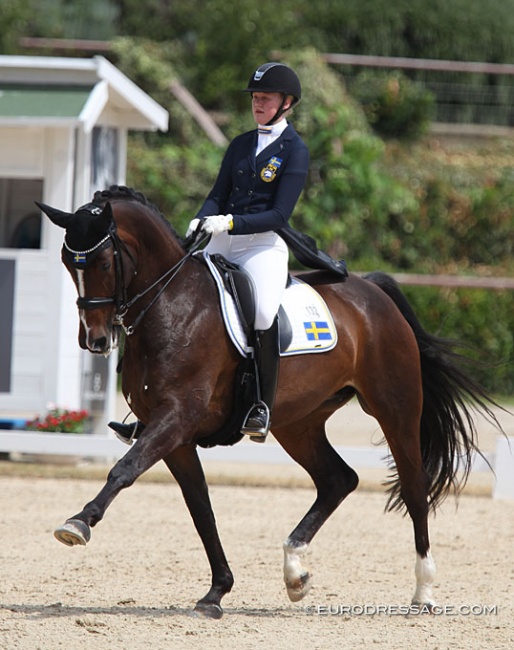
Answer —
311 321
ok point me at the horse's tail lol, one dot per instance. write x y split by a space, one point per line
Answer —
448 432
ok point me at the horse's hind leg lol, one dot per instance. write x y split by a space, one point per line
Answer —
414 493
185 466
400 424
334 480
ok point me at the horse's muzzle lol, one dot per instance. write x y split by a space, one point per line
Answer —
99 339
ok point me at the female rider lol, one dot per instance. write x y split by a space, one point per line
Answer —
260 180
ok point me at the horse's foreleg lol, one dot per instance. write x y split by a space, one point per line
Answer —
333 479
185 466
143 455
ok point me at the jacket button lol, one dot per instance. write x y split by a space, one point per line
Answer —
250 192
240 172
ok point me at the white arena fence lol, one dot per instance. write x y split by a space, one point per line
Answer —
111 449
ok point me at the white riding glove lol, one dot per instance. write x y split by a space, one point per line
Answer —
192 227
217 224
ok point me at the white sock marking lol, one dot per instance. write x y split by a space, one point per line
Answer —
425 575
293 556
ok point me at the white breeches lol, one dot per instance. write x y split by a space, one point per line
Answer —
265 257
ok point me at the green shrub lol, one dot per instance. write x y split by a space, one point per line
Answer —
394 106
175 179
480 319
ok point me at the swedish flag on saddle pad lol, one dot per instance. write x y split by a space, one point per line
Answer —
311 324
317 331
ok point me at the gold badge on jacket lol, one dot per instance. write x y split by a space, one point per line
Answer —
269 172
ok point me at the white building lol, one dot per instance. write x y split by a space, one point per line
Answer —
63 134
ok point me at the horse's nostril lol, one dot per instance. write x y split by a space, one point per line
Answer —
99 344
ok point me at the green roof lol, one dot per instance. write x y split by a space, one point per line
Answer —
42 101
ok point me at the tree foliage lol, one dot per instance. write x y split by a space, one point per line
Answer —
15 23
94 19
394 106
460 30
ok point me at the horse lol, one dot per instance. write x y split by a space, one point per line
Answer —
133 273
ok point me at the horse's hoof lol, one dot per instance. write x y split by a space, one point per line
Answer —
299 588
73 532
208 610
424 608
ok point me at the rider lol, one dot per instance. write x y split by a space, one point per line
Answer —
260 180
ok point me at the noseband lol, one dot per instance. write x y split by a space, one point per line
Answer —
82 259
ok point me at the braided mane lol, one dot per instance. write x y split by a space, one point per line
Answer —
120 192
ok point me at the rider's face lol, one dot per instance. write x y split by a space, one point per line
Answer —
266 105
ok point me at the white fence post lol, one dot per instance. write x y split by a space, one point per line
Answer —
504 469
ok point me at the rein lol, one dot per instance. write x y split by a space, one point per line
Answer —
172 273
120 299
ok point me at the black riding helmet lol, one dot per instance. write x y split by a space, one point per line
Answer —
276 78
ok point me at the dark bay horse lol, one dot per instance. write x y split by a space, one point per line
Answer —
131 270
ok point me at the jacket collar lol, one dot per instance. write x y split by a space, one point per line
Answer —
277 146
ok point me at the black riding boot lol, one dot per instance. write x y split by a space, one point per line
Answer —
127 432
267 361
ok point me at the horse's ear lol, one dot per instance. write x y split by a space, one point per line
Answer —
104 220
56 216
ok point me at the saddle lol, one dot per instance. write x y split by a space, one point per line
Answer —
240 286
306 325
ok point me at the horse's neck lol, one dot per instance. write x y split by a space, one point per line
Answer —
157 247
160 253
167 278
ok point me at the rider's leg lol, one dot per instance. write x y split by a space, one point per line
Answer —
267 361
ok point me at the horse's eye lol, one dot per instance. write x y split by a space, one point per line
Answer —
106 266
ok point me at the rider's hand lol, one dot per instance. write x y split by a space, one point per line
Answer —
217 224
192 227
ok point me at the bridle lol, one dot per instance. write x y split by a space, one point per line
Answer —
82 259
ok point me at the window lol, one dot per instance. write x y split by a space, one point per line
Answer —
20 218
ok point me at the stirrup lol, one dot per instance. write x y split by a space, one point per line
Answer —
257 422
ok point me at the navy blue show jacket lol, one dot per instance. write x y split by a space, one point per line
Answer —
260 193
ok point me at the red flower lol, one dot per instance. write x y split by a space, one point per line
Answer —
61 420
